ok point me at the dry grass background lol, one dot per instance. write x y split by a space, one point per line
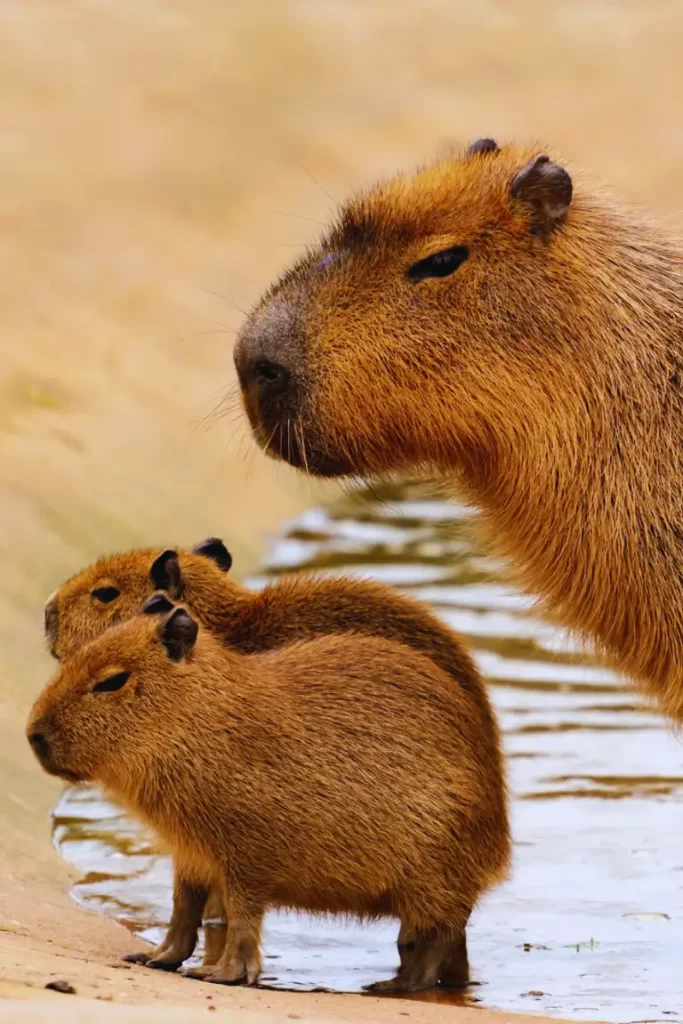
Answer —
155 153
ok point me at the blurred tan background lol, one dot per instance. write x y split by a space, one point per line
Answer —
160 161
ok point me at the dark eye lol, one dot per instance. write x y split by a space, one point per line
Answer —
105 594
112 683
441 264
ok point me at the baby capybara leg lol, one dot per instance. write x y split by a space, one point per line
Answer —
406 945
424 966
240 962
215 928
456 968
181 937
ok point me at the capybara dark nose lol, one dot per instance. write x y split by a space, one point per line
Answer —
256 364
267 375
267 382
40 746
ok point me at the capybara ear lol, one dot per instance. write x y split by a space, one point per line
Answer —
483 146
157 604
546 189
165 574
214 548
178 634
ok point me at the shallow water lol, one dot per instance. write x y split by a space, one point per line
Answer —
590 925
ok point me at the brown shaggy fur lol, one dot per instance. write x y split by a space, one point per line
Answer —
334 775
293 608
543 377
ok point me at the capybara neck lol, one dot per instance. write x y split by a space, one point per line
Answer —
579 479
522 334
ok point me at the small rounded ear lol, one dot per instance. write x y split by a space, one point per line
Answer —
157 604
483 146
214 548
165 574
546 189
178 634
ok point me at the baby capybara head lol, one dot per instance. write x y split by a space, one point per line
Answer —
114 588
436 289
95 713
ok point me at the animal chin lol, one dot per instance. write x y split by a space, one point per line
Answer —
63 773
313 458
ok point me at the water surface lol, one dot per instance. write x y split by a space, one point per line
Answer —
590 924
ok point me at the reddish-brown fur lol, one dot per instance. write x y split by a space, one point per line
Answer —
335 775
544 378
290 609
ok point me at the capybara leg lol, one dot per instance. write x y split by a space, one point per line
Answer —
215 928
456 968
181 937
240 963
432 949
406 945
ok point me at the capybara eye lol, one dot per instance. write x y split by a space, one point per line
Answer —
440 264
105 594
112 683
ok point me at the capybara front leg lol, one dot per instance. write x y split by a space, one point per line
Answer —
456 968
181 937
406 946
215 927
240 962
423 969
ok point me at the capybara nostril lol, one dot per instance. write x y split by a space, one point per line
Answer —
269 375
40 746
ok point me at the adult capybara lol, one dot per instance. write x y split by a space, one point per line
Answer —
336 775
293 608
524 338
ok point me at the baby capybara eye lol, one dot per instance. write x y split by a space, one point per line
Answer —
439 264
115 682
105 594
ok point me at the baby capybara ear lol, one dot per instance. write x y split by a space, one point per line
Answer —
165 574
157 604
178 634
545 189
483 146
214 548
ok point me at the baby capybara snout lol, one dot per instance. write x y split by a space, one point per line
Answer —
333 775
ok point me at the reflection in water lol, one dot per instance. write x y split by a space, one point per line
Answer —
589 926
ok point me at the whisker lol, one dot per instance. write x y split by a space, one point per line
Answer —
297 216
217 295
314 180
299 434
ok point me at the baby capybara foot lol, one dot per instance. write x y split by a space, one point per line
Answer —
138 958
168 960
422 969
236 971
240 963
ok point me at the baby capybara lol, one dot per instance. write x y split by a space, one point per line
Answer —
336 775
520 334
293 608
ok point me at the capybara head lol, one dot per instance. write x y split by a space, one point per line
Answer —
451 286
96 711
114 588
